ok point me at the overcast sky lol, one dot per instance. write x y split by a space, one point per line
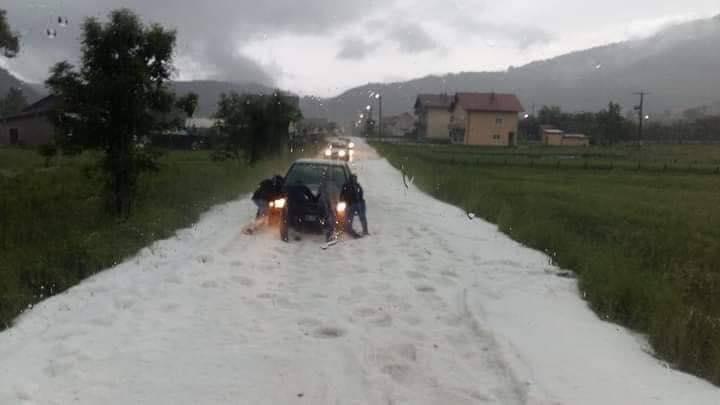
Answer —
324 47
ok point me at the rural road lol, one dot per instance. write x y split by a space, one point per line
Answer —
433 308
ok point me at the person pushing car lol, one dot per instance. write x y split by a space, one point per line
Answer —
268 190
353 196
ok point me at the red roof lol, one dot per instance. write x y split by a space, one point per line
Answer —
491 102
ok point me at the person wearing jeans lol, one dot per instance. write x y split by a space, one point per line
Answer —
352 194
267 191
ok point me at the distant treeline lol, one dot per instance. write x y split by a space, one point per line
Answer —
609 126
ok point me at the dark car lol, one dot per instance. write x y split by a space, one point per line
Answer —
302 208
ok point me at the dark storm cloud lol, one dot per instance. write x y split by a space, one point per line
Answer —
520 36
208 32
355 48
411 38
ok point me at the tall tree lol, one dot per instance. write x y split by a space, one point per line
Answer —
552 115
9 41
188 103
13 102
117 96
255 126
610 124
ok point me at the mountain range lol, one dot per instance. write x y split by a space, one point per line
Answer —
679 66
208 91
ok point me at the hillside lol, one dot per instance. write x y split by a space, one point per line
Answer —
208 90
679 65
7 81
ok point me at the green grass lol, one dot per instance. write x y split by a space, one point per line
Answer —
662 158
645 244
54 230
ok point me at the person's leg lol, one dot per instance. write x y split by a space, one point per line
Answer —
363 217
330 226
349 216
262 206
352 211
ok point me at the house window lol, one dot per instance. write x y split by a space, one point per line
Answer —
496 137
499 121
457 136
14 136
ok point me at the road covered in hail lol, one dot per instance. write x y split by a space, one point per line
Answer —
432 308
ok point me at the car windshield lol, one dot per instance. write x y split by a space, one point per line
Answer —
313 174
359 202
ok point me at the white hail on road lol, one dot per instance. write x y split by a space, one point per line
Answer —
433 308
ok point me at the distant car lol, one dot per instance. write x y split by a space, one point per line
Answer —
338 150
300 206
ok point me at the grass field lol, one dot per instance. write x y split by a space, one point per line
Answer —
55 232
644 242
664 158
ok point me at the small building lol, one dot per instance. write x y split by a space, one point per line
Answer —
484 119
398 125
556 137
32 126
433 116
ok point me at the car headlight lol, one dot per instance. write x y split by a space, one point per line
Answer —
328 152
279 203
351 145
341 153
341 207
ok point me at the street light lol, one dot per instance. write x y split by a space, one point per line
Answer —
377 96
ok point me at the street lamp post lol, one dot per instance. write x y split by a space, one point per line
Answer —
378 96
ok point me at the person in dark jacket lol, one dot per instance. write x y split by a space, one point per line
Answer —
353 196
268 190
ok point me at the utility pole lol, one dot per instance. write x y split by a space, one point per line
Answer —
380 117
641 115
